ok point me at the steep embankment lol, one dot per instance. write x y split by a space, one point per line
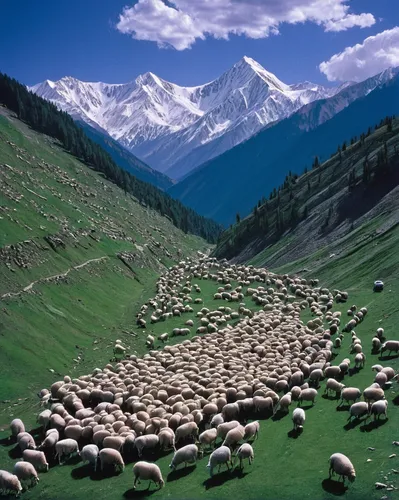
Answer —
348 200
237 179
76 254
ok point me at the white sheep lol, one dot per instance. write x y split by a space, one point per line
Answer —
252 430
90 453
208 437
43 419
37 459
148 472
26 441
216 420
307 395
357 410
341 465
390 346
379 408
17 426
298 418
9 483
109 456
234 436
219 457
373 393
360 360
166 438
186 454
350 394
148 441
26 472
186 430
245 451
51 438
334 386
66 448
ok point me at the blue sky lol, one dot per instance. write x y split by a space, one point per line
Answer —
50 39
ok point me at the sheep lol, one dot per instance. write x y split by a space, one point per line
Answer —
360 360
26 441
243 452
163 337
307 395
358 410
380 333
219 457
37 459
341 465
26 472
9 482
52 436
43 419
251 430
17 426
376 344
350 394
90 453
284 403
66 447
373 394
150 341
379 408
186 454
381 379
223 429
234 436
109 456
332 372
148 441
298 418
390 345
115 442
333 385
208 437
166 438
186 430
216 420
148 472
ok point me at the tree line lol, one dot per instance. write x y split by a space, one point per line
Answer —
45 117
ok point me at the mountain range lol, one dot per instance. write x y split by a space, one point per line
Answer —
234 181
175 128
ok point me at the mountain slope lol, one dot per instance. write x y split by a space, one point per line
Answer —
162 122
126 159
326 212
44 117
236 180
76 254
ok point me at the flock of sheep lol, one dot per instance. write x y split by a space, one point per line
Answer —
207 393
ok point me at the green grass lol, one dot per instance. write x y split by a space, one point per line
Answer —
40 331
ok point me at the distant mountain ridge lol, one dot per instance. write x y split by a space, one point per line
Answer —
174 128
234 181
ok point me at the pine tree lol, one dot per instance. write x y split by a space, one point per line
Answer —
238 218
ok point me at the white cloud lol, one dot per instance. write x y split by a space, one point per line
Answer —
351 20
366 59
179 23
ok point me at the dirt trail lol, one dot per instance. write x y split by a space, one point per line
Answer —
51 278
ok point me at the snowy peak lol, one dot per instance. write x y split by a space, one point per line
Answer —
175 128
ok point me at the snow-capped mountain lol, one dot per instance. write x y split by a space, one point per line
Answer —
176 128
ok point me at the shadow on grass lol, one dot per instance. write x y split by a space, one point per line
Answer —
15 452
8 441
82 472
353 423
179 473
132 493
395 400
294 433
106 473
342 407
334 487
279 415
329 397
387 358
222 477
373 425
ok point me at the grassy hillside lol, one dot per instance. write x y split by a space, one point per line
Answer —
76 254
234 181
126 159
325 209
